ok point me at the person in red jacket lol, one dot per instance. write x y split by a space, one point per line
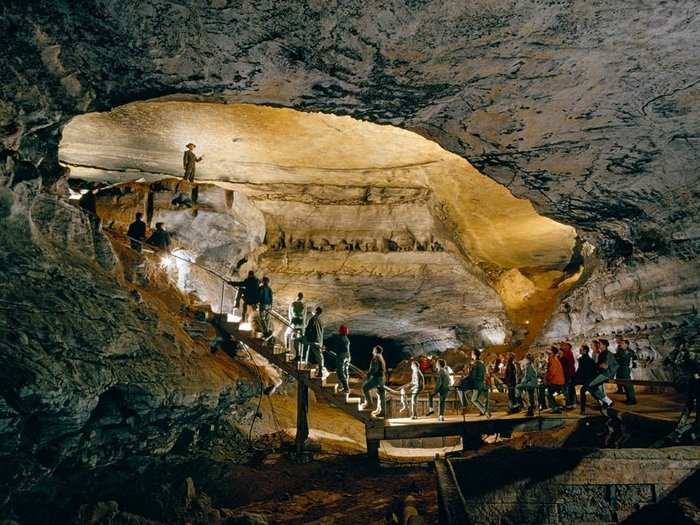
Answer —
554 379
568 362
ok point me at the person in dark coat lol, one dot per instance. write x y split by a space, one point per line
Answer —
376 379
249 288
266 300
568 362
189 162
475 383
313 337
585 373
160 238
510 379
341 347
137 232
625 361
442 388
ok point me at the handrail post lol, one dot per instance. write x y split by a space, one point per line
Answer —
302 418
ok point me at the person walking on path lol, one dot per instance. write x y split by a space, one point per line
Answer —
585 373
313 337
376 379
442 388
341 347
625 361
554 379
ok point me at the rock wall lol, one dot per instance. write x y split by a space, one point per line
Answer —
576 486
92 371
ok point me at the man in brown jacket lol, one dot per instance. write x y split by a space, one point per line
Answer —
189 162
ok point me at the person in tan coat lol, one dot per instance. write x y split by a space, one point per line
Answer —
189 162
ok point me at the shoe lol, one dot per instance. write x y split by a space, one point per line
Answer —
569 407
556 410
441 418
377 415
430 412
414 417
362 406
630 402
530 412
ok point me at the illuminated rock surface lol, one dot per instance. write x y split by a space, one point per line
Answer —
589 110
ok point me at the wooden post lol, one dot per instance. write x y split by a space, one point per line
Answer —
302 417
373 450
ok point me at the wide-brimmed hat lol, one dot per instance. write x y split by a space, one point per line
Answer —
190 144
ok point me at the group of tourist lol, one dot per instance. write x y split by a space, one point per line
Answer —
159 238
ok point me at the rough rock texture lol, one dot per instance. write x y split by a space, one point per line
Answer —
563 102
90 373
574 486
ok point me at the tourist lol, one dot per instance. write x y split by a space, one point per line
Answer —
341 347
691 365
585 373
442 388
249 290
189 162
528 383
475 383
607 367
297 320
313 337
568 363
137 232
425 364
160 238
416 386
625 361
376 379
510 380
540 365
554 379
266 300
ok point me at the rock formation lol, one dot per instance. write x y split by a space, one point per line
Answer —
588 110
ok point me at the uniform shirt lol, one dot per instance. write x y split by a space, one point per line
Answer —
477 374
189 162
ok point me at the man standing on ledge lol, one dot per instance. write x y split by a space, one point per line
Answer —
189 162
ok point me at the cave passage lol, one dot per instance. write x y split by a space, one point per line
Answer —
392 234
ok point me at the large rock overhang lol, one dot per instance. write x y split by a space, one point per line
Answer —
391 233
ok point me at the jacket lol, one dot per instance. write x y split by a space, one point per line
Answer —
377 367
529 379
442 383
189 162
160 239
314 331
137 230
477 375
586 370
625 358
568 362
555 372
510 377
265 295
340 344
251 289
